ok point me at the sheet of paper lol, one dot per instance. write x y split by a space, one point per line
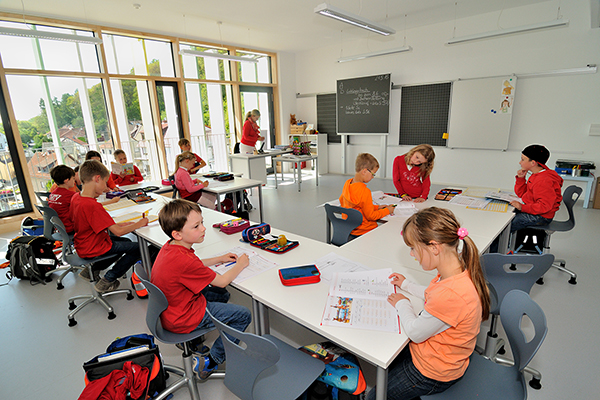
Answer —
468 201
216 184
374 283
503 196
258 264
477 192
123 203
331 263
133 217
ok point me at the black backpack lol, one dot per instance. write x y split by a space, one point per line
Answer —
31 257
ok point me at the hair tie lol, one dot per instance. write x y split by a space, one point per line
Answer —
462 233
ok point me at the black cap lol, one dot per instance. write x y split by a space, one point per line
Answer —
537 152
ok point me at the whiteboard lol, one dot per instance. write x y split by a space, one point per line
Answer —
481 113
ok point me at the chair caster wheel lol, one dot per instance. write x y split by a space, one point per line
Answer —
540 281
535 383
513 267
573 281
48 279
59 286
72 322
72 305
112 315
129 296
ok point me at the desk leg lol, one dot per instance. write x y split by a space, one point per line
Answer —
145 254
274 164
299 169
256 317
263 312
260 202
219 203
382 377
589 185
504 239
317 170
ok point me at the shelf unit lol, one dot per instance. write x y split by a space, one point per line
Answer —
318 145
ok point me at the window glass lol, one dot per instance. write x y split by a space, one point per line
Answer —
127 55
254 72
11 200
204 67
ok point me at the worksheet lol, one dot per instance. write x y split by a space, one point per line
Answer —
258 264
331 263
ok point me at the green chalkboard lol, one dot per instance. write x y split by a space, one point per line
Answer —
363 105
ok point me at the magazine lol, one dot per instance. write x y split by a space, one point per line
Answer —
126 168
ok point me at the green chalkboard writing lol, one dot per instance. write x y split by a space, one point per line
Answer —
363 105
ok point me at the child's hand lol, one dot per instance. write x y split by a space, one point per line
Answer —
229 257
516 205
395 298
144 221
390 209
132 179
406 198
205 183
113 200
397 279
419 200
122 174
243 260
521 173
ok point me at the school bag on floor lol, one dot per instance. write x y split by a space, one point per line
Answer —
31 257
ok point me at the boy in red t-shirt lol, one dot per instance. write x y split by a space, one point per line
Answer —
182 276
92 223
60 197
123 178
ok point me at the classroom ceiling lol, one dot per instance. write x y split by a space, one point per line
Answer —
271 25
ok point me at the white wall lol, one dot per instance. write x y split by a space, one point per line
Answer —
554 111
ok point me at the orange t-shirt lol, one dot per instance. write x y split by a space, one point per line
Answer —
358 196
445 356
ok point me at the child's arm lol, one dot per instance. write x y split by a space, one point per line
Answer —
397 175
417 328
117 179
111 201
187 182
372 211
225 279
127 227
137 175
226 258
425 191
413 288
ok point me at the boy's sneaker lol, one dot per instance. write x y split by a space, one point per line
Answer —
205 372
200 349
104 285
85 274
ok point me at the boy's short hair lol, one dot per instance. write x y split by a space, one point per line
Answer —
365 161
91 168
537 153
183 142
61 173
174 215
92 153
117 152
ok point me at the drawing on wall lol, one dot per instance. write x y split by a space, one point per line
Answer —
506 105
507 87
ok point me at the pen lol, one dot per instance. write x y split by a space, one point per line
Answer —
145 212
231 263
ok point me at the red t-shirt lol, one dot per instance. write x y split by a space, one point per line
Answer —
250 133
126 180
60 201
91 222
181 276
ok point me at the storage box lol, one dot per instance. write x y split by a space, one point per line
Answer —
597 195
297 129
567 166
32 227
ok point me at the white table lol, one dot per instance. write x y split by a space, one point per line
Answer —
296 161
589 185
236 185
254 166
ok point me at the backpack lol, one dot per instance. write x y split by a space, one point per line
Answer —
31 257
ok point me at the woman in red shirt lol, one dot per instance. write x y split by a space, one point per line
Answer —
250 133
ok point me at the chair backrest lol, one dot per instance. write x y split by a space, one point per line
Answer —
570 197
515 305
175 190
47 213
502 280
43 197
342 227
67 248
245 364
157 303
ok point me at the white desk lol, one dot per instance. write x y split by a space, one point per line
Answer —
236 185
589 185
144 184
296 161
254 166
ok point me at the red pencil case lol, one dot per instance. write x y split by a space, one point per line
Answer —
272 246
232 226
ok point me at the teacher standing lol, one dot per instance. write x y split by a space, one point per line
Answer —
250 133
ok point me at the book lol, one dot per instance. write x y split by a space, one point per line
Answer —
447 194
503 196
126 168
126 353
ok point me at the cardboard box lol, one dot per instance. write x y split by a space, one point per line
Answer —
597 195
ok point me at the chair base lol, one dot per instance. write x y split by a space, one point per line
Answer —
560 265
92 298
66 268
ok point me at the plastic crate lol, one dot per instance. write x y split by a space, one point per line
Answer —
32 227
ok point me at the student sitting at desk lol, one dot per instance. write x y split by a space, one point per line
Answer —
185 145
124 178
444 334
357 195
94 155
191 189
60 197
182 277
411 173
92 223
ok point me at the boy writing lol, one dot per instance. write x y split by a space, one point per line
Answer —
92 223
357 195
60 197
123 178
185 145
182 276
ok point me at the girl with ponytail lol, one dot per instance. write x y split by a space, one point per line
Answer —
444 334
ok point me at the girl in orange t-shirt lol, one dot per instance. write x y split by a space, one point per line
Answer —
444 334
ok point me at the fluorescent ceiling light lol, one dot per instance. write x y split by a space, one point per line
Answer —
518 29
67 37
197 53
589 69
374 54
353 19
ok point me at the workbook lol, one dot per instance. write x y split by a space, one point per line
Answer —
126 168
359 300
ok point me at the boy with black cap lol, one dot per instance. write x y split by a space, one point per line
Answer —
541 193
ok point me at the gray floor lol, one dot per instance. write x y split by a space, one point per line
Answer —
42 356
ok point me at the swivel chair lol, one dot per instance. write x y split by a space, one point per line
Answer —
501 280
342 227
70 257
265 368
157 303
48 213
570 197
486 380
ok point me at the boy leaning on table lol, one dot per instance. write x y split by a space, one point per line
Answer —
92 224
183 278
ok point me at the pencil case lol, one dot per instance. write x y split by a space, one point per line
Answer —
111 195
232 226
272 246
254 232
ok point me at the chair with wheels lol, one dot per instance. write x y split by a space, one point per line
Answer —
48 213
43 197
342 227
501 278
570 197
487 380
265 368
157 303
70 257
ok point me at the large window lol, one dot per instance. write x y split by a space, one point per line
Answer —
259 72
127 55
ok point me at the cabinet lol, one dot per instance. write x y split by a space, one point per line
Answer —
318 146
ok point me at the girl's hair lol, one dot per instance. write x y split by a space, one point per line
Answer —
254 112
440 225
427 152
186 155
92 153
